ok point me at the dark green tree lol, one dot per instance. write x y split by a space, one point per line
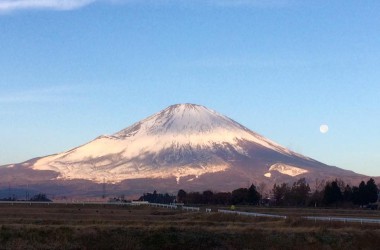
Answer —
363 197
223 198
299 193
365 193
194 198
280 192
207 197
40 197
240 196
157 198
356 199
371 191
181 195
253 195
332 193
347 194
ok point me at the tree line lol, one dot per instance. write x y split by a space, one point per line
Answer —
337 193
238 196
37 197
157 198
331 193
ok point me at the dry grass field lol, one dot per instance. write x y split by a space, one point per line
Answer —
298 212
60 226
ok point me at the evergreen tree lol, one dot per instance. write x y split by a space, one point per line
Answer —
332 193
194 198
372 191
181 195
299 192
157 198
253 195
356 196
40 197
363 198
240 196
347 194
280 192
207 197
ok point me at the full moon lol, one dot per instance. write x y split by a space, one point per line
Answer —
324 128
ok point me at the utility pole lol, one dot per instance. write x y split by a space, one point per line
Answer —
27 192
9 190
104 188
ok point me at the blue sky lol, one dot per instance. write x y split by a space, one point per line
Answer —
73 70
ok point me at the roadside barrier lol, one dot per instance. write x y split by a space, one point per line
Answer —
193 209
162 205
342 219
251 214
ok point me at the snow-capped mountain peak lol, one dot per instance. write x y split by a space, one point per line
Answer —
181 140
185 146
180 119
196 125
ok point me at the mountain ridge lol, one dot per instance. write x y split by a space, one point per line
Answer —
188 130
186 143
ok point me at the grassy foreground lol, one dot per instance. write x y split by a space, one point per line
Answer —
113 227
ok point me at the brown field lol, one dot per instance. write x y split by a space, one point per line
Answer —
61 226
362 213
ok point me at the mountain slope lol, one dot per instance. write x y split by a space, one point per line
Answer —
179 141
189 144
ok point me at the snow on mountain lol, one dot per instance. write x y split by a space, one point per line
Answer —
287 169
175 142
195 125
185 146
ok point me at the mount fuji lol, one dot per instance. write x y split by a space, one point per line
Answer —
184 146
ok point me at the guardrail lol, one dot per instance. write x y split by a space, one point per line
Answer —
67 203
251 214
163 205
193 209
342 219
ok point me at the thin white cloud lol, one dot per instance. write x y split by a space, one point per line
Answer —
12 5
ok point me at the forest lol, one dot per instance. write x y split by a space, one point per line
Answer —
333 193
